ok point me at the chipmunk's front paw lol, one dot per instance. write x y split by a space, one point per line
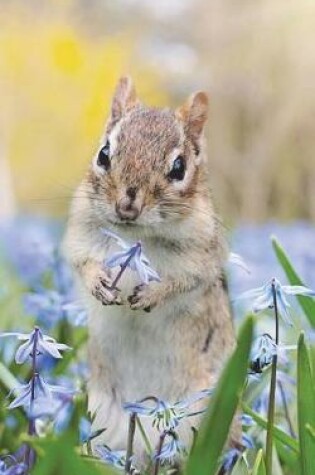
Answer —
101 290
142 298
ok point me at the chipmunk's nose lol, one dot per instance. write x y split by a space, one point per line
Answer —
127 208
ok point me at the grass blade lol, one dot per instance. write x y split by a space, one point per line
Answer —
259 465
306 409
307 303
213 433
279 434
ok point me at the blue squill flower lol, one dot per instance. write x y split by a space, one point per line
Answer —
75 313
163 413
171 449
50 306
46 305
263 351
264 297
12 469
261 402
43 393
30 247
45 345
116 459
230 457
246 420
131 257
85 430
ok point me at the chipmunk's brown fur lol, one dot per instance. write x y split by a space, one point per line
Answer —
180 346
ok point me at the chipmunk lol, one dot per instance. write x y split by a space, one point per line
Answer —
148 182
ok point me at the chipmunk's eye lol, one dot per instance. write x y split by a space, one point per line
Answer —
178 170
103 159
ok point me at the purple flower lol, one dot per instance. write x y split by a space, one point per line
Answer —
45 345
45 305
75 313
133 258
264 298
165 414
13 469
85 430
44 393
263 351
171 449
261 403
116 459
30 248
50 306
230 458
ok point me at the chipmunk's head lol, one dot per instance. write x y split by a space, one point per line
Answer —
147 169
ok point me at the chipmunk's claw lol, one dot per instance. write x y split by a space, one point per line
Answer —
103 292
140 299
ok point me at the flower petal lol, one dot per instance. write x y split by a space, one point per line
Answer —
23 353
298 290
263 302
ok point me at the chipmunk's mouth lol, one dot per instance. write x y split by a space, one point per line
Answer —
122 222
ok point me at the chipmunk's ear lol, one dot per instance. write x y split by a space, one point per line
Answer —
194 114
125 97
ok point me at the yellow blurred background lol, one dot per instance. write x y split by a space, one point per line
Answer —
60 60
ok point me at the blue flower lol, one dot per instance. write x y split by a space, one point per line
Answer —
116 459
171 449
44 394
45 305
13 469
133 258
263 351
50 306
165 414
230 458
75 313
261 403
264 297
247 441
246 420
30 247
85 430
45 345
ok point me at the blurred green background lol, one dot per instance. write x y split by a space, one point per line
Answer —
60 60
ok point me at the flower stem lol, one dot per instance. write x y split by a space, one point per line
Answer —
31 427
124 266
131 436
272 392
286 409
31 424
158 453
144 436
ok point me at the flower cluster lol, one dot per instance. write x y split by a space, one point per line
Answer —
37 396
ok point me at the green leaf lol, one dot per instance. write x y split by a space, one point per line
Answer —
306 408
240 467
204 457
259 465
59 458
307 303
288 459
278 433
